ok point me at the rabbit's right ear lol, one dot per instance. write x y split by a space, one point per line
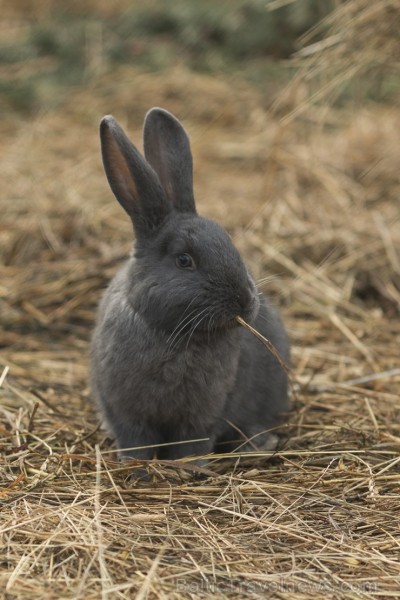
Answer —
132 180
167 149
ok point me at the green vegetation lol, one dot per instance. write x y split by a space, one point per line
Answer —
70 46
216 34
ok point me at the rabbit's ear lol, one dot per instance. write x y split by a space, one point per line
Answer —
133 181
167 149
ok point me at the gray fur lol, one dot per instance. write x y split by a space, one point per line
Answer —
168 361
165 143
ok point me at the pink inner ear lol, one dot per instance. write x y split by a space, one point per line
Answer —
118 168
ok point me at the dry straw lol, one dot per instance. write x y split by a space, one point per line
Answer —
356 45
318 517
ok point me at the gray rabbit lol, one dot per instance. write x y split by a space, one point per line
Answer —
169 362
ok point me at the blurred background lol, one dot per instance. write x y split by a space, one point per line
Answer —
293 112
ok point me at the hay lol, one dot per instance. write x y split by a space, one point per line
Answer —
358 54
316 211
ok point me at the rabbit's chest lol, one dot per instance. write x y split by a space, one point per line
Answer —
190 383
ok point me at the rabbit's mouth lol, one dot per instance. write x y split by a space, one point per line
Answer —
219 325
227 324
232 323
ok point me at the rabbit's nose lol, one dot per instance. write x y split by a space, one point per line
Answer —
248 302
244 298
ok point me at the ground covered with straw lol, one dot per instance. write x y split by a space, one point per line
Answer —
312 202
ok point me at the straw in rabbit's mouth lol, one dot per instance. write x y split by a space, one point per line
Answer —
234 322
231 323
264 341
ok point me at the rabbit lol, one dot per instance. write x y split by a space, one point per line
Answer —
172 370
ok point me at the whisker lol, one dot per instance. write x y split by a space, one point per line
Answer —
183 322
209 327
266 279
180 326
176 339
194 329
263 318
182 317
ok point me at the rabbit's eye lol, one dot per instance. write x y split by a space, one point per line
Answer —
184 261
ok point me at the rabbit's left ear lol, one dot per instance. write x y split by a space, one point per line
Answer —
133 181
167 149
